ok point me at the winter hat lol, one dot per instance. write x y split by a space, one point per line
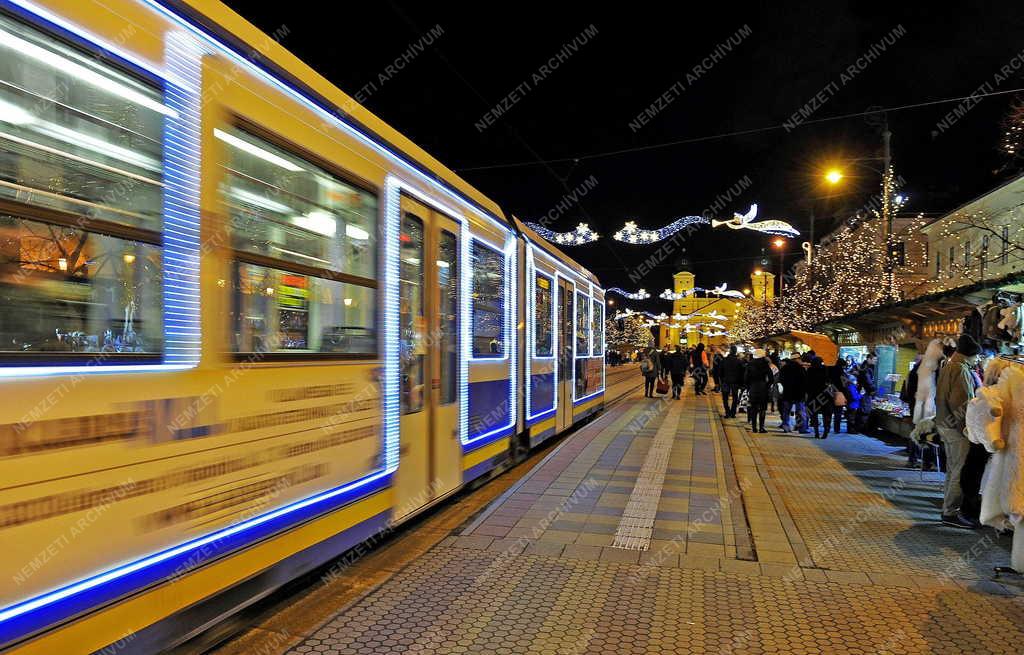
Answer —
967 346
758 353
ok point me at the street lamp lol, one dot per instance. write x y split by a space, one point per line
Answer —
834 176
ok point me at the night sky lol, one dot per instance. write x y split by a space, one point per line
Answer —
794 51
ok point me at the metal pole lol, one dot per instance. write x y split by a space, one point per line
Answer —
782 269
887 204
814 250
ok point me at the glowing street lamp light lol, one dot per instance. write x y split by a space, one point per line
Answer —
781 245
834 176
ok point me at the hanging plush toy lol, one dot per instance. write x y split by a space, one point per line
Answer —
924 399
995 419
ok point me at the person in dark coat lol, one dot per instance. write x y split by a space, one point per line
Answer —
759 379
732 382
699 364
837 378
792 375
650 368
819 394
716 370
677 368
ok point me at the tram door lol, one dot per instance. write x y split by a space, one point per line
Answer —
430 456
566 292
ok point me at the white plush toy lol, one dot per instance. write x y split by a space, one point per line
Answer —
995 419
924 398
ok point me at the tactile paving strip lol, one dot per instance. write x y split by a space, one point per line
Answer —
637 524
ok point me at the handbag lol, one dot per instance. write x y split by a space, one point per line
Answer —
662 386
839 398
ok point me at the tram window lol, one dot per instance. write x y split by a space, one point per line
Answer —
488 301
304 241
412 319
278 311
287 208
582 325
448 280
73 291
597 327
542 333
78 135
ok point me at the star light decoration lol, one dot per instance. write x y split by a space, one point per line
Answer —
641 294
630 233
582 235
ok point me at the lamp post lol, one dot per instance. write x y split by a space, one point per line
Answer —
781 245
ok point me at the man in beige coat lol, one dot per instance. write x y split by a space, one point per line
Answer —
954 390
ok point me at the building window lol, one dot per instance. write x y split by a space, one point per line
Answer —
938 264
303 241
967 256
582 325
952 260
1005 257
542 332
488 301
81 177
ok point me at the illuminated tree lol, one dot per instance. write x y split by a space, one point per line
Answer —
633 335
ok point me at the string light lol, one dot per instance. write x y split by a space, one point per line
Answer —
639 295
745 222
582 235
630 233
721 290
849 272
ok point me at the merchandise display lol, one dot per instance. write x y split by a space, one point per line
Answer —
995 419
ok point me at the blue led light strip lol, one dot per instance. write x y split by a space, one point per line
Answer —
32 615
391 384
182 138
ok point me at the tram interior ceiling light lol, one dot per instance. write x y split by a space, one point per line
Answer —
582 235
746 222
255 150
66 66
640 294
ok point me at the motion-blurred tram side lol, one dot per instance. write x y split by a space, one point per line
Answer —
244 324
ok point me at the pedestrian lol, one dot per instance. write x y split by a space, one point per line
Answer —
791 376
773 391
732 382
837 386
650 368
716 370
956 387
819 396
866 382
678 372
699 365
758 381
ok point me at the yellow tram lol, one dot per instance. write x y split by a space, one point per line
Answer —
244 324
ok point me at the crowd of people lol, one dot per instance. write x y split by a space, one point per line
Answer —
807 394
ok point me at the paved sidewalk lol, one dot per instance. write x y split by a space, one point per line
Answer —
737 543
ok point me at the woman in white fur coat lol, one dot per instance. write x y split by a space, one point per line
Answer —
995 419
924 399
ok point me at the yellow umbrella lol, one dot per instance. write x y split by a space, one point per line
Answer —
821 344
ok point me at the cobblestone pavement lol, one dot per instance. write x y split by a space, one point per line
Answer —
758 544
